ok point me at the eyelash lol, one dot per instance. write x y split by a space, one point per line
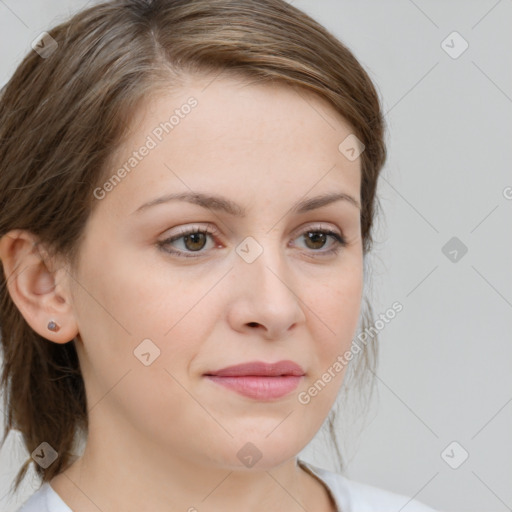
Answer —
340 241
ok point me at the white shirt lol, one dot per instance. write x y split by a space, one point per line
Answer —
349 496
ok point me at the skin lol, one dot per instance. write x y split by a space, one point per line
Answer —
163 437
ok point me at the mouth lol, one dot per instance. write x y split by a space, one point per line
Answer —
260 369
259 380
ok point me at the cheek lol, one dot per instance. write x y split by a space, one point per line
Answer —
120 311
116 310
132 298
336 307
154 313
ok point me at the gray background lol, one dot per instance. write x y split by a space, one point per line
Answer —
445 367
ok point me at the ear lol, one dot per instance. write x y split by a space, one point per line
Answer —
40 291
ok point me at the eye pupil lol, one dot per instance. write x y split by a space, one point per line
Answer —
194 236
314 236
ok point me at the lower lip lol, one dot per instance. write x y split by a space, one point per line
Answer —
259 388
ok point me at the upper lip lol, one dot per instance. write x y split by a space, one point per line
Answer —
260 368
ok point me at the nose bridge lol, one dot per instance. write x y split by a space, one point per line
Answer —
263 259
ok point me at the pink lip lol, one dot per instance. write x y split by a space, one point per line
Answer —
260 380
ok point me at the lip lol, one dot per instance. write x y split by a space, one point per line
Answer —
259 380
260 369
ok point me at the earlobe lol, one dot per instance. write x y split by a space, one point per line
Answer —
40 291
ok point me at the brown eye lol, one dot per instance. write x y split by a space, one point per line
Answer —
193 241
315 239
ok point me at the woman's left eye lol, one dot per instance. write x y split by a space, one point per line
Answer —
194 240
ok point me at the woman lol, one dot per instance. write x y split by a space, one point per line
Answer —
188 192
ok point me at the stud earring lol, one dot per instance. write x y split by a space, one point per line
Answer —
53 326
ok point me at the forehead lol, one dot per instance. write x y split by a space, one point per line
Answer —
240 108
217 134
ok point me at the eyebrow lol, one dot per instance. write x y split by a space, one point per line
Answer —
219 203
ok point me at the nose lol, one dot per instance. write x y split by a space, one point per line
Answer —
266 295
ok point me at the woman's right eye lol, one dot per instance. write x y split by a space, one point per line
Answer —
194 240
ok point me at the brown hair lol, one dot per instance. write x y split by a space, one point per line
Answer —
63 114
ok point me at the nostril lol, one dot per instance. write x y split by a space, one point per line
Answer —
253 324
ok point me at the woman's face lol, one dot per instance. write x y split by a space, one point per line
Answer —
155 316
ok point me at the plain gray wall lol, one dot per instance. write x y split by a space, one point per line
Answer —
445 361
